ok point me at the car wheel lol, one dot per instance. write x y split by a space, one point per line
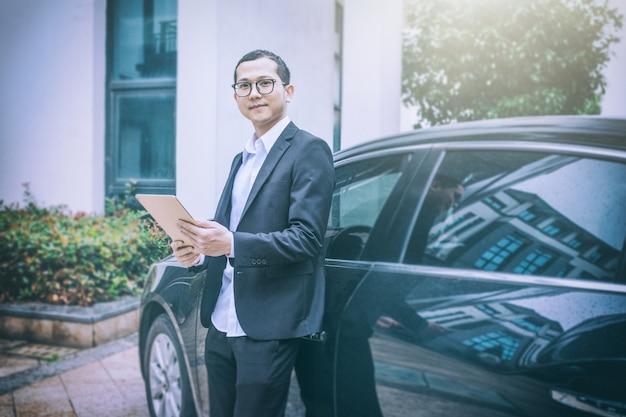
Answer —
167 383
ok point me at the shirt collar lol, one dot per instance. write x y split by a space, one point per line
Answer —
265 142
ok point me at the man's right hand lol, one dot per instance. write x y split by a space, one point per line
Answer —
186 255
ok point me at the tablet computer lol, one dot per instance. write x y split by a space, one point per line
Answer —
166 210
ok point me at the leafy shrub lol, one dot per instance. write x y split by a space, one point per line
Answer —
53 255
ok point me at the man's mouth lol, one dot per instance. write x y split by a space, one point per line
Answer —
256 106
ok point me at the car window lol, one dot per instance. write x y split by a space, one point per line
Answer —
523 213
362 189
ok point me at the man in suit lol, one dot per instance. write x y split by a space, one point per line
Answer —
263 251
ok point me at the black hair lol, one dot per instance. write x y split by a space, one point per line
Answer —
281 67
446 181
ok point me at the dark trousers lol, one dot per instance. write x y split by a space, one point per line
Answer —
248 377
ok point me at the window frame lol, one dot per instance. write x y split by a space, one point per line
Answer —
394 216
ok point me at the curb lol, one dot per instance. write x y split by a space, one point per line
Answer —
70 313
20 379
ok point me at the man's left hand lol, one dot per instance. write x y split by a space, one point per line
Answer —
209 238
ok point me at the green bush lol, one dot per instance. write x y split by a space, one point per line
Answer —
53 255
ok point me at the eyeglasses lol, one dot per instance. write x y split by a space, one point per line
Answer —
264 87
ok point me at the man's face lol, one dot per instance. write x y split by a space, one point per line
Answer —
262 110
446 197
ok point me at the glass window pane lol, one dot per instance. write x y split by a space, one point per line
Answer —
525 213
362 190
146 136
144 39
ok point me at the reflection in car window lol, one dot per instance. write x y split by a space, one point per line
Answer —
524 213
362 190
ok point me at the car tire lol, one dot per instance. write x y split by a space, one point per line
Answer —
167 383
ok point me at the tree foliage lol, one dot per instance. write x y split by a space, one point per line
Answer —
478 59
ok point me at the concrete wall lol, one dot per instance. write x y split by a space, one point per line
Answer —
53 92
197 161
372 65
213 36
52 101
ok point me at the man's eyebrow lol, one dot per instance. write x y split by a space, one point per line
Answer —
261 77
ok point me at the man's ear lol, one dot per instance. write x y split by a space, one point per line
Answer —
289 90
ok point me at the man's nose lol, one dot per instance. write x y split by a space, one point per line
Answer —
254 93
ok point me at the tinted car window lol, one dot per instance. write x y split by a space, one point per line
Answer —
362 190
523 213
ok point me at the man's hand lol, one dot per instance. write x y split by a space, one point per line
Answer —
209 238
186 255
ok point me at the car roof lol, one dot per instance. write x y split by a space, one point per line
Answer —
603 132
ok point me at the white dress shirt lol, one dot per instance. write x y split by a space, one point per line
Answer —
224 316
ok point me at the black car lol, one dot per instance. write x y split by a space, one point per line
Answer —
477 269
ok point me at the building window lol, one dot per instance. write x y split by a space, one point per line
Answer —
495 257
141 99
535 262
496 342
494 202
528 215
574 241
593 255
450 224
553 228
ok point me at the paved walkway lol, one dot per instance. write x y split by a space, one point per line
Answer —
105 385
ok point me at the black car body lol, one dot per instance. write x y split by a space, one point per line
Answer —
476 269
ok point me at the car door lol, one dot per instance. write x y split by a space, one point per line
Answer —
366 200
508 296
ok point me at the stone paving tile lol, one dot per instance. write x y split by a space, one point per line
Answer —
134 390
109 387
46 398
6 411
123 365
6 399
6 405
11 364
88 380
97 405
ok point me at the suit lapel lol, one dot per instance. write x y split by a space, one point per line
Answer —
222 214
277 151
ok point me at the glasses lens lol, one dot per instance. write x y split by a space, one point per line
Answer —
265 86
242 89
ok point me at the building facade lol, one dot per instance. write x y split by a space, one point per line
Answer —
97 94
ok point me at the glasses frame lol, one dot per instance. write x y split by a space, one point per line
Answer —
256 85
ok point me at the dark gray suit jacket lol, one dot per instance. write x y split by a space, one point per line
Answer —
278 264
